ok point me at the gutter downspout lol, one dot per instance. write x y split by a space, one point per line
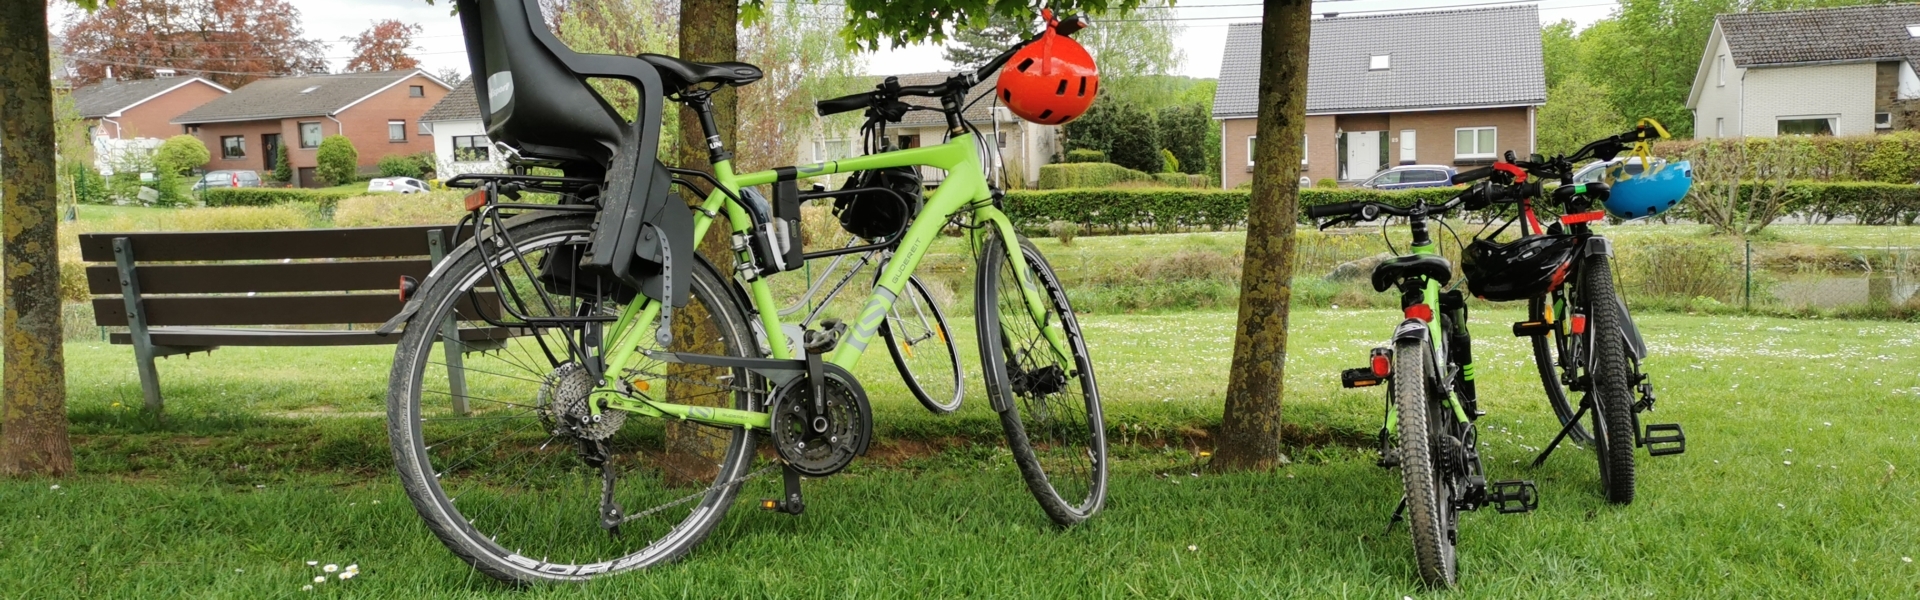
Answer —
116 126
1533 131
1223 155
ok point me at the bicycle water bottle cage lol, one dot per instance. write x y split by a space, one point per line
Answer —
534 98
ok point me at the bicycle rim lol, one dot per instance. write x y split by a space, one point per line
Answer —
923 349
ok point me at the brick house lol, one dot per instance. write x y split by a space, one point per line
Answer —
1839 71
135 116
1448 87
379 111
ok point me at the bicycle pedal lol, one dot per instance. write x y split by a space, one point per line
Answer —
1532 328
1359 378
1515 496
775 505
1664 439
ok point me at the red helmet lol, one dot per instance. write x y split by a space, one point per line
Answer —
1051 81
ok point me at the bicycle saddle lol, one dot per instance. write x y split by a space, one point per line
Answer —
1434 267
680 74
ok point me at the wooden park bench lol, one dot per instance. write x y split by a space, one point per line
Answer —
180 293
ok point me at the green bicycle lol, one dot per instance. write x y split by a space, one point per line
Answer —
608 417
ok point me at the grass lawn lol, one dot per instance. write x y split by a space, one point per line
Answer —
1800 482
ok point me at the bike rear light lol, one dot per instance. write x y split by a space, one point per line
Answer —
1578 323
1421 312
641 385
476 199
407 286
1381 366
1586 217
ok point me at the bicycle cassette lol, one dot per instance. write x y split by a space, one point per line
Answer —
820 439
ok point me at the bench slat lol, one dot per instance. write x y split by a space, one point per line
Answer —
203 337
268 310
354 276
364 242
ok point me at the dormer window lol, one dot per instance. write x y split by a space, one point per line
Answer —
1380 62
309 90
1913 31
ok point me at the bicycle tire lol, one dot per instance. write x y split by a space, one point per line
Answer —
1546 349
1612 385
1072 448
1429 506
904 332
493 528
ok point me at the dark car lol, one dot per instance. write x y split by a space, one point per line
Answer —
1411 177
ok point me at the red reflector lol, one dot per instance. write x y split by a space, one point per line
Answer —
1421 312
1578 323
1586 217
477 199
1381 366
407 287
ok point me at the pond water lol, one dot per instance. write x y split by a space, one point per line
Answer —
1841 291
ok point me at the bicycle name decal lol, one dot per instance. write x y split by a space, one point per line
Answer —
871 317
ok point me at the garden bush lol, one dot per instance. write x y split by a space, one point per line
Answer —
1164 209
338 160
1821 158
1087 175
89 186
282 169
406 165
181 153
1086 155
390 210
222 197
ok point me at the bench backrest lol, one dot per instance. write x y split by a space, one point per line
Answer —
290 277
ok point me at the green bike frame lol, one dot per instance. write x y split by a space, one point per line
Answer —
1430 294
964 187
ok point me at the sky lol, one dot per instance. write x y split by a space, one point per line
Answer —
439 44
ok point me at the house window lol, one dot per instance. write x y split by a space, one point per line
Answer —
1250 145
1303 151
309 135
1883 120
1719 127
1408 146
1806 126
1913 31
414 91
396 131
1380 62
426 128
1721 71
824 151
233 146
471 148
1475 142
1001 137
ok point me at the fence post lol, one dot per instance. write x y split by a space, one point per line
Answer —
1749 272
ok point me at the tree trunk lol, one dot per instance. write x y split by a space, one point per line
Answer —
33 416
1250 430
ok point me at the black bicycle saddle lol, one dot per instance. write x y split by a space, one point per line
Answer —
680 74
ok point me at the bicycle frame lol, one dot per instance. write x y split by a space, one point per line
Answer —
1430 294
965 188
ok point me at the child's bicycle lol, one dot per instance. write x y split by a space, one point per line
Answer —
1583 338
616 384
1431 401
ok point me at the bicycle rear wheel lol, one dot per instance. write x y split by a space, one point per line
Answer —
517 486
1424 472
1049 404
923 349
1612 386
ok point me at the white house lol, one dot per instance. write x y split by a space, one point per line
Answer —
1838 71
460 141
1024 147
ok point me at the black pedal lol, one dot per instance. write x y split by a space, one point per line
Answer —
1532 328
792 505
1509 497
1664 439
1359 378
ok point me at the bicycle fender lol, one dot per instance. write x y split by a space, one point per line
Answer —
1411 330
413 305
1629 330
1596 246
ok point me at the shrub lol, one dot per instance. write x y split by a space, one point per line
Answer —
1327 183
394 165
1087 175
282 169
1817 158
338 160
1063 231
1167 209
223 197
1086 155
1168 164
89 186
238 218
389 210
180 154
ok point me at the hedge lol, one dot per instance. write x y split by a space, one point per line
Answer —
1174 209
268 196
1889 158
1087 175
1869 203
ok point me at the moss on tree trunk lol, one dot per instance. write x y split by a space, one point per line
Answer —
33 418
1250 430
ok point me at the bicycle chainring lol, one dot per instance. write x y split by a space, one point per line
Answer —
565 407
818 443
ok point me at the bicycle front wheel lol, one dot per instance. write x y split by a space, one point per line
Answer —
494 440
1041 383
923 350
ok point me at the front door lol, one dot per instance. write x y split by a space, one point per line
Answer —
1363 154
271 144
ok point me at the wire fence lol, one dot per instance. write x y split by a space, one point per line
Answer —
1777 277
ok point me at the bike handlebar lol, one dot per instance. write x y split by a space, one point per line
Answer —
1067 26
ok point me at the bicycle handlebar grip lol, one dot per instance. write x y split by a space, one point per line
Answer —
1332 210
844 104
1472 175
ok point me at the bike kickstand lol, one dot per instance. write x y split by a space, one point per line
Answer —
1564 430
1397 512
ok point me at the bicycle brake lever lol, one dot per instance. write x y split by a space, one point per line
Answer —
1346 219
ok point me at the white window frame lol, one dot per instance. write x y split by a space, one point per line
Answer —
1250 140
475 143
320 133
1719 127
402 130
225 150
1883 120
1380 62
1833 122
1303 150
1480 153
820 149
1722 71
1409 146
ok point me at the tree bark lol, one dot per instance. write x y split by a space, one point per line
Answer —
1250 430
33 415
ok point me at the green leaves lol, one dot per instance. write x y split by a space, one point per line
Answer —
1172 209
903 22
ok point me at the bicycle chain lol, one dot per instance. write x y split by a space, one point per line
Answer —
690 497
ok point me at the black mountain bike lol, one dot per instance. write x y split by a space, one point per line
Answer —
1584 340
1431 399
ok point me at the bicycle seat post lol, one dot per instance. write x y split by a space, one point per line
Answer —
701 101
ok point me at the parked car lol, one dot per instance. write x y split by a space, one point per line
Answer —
1410 177
404 185
227 179
1593 171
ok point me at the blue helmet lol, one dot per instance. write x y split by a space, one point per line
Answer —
1651 193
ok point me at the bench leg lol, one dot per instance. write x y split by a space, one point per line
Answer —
143 352
450 337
